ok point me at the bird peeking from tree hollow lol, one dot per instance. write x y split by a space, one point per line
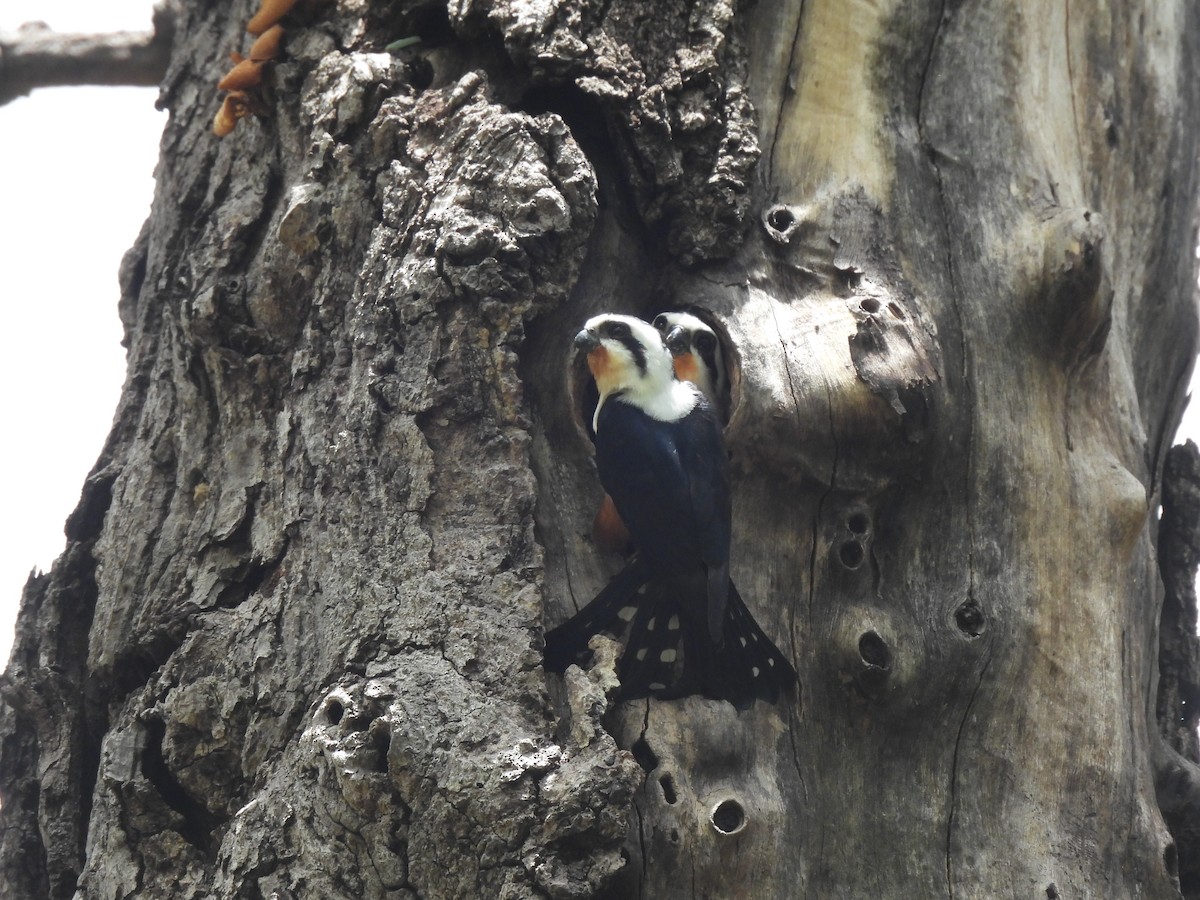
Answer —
696 357
661 457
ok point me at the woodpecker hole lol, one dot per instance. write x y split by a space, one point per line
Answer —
869 305
780 219
896 311
674 835
851 554
334 710
874 651
728 817
858 523
667 783
970 619
1052 891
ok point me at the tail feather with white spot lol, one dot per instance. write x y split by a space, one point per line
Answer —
668 649
748 661
609 613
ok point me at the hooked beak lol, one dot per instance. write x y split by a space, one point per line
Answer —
677 341
586 340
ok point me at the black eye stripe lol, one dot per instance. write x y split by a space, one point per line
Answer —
636 350
707 349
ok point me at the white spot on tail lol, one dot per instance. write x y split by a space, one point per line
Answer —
743 640
673 623
755 671
667 656
641 654
656 686
626 613
650 624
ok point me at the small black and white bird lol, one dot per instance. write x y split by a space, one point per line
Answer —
661 457
696 355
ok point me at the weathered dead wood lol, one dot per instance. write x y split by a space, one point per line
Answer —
294 646
1177 764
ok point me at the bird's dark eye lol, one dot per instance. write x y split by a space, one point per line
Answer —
660 322
617 329
705 341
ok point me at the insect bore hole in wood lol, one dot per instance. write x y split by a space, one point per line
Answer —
874 651
780 218
858 523
851 554
970 619
667 783
728 817
380 734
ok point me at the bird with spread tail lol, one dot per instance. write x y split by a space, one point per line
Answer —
661 456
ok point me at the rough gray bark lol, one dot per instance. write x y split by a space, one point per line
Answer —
293 646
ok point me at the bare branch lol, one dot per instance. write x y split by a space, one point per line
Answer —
35 56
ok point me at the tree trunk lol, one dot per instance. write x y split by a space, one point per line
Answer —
293 647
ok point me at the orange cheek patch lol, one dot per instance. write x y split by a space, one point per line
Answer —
599 363
686 368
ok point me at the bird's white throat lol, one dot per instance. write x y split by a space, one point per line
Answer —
666 403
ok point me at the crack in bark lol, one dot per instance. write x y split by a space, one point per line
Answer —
796 409
1071 81
954 280
784 92
795 714
641 835
962 725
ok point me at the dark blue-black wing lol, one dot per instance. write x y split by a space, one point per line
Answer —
668 481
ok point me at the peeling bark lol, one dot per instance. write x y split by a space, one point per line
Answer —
293 648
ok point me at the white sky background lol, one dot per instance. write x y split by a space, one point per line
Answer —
76 178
